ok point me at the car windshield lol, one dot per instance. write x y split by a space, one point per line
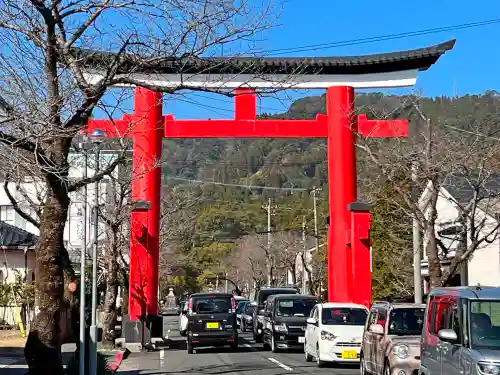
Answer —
406 321
485 324
295 307
211 305
343 316
266 293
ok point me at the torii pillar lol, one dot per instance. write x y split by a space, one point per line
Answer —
348 256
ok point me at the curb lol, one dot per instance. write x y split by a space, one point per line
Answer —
117 359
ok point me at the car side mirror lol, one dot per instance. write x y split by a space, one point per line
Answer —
448 335
312 321
377 329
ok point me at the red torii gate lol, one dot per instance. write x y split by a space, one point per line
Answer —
349 276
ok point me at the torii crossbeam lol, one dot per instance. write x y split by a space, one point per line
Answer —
349 277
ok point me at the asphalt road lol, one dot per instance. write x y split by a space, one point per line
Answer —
250 359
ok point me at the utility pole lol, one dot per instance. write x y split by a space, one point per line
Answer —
269 209
304 255
417 255
226 286
316 238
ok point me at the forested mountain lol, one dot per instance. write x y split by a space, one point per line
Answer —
207 233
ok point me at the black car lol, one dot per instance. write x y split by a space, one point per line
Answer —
246 320
258 314
285 320
211 321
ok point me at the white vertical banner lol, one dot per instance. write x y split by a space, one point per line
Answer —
371 259
75 224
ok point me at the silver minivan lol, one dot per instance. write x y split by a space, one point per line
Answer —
461 333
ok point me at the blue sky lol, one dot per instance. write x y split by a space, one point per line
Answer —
471 67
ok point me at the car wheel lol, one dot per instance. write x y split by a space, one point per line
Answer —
242 326
234 344
319 362
309 357
387 369
274 349
189 347
362 367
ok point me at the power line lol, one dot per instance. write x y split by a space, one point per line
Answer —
235 185
436 30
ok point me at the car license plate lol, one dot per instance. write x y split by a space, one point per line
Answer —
302 340
349 354
212 325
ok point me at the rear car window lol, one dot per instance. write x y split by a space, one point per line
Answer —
207 305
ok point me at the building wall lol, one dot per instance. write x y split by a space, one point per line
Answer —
73 232
484 266
14 262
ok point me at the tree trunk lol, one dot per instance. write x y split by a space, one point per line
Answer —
112 282
52 326
435 271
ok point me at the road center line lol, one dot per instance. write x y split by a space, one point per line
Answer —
280 364
247 345
162 357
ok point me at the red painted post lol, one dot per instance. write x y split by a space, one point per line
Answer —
361 258
147 133
342 189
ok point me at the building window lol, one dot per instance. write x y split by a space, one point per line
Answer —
7 214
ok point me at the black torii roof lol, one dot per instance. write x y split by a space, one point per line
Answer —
420 59
14 237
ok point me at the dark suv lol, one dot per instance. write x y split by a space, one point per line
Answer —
285 320
258 304
211 320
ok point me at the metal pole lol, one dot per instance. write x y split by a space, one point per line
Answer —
316 238
226 286
269 241
417 256
83 270
304 254
93 327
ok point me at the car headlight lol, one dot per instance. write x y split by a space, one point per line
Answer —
488 368
248 318
402 351
327 336
280 328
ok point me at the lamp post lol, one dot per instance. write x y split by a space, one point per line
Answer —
83 266
96 137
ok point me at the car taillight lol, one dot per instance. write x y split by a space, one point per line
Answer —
190 304
233 303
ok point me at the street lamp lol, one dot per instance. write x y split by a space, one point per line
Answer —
96 138
83 266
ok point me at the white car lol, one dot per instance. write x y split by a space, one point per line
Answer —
334 332
183 319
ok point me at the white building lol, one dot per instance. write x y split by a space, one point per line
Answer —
483 266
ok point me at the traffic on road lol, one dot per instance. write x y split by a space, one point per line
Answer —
284 331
